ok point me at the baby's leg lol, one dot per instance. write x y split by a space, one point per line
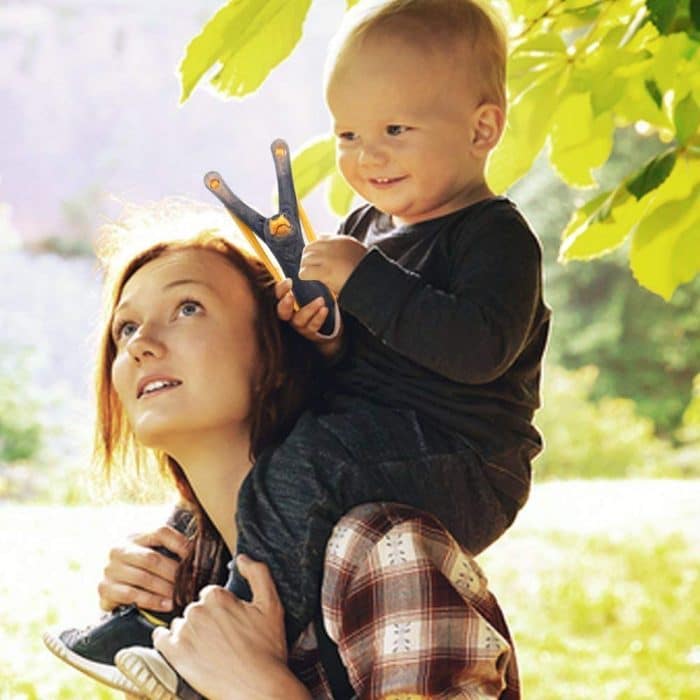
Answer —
361 452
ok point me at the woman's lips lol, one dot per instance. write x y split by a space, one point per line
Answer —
155 384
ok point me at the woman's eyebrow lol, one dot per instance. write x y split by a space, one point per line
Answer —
175 283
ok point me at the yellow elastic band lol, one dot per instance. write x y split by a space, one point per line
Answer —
262 254
153 619
306 224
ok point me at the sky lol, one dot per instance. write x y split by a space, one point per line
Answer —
90 117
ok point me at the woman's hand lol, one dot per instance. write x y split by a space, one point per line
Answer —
228 649
136 573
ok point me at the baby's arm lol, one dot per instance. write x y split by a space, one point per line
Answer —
471 333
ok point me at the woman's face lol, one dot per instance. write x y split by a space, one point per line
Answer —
186 350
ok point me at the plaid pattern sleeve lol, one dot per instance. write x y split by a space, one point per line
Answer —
410 611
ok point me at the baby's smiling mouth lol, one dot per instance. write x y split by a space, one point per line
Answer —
386 180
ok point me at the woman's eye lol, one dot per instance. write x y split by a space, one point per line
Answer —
347 135
396 129
124 330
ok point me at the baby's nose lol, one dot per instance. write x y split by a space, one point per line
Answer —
372 153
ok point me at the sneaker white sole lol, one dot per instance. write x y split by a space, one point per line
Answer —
146 669
104 673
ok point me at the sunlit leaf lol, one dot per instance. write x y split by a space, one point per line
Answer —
526 130
579 142
637 104
619 13
666 246
313 164
247 39
528 9
652 175
686 118
340 195
599 227
534 61
671 59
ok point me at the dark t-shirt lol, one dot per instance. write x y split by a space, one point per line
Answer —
446 317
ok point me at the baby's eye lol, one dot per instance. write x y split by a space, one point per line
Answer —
347 136
189 307
396 129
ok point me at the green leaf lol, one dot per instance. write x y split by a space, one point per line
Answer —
340 194
350 3
695 13
652 175
247 38
672 17
579 142
662 13
654 92
600 226
665 249
686 117
528 9
526 130
534 61
313 164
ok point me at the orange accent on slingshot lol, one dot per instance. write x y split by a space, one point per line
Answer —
280 151
214 183
280 226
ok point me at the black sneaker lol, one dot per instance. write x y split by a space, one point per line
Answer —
154 676
91 650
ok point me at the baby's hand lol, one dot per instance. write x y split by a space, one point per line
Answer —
331 260
308 319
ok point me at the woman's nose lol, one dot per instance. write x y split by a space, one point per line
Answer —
145 343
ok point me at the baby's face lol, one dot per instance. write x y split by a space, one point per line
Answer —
403 124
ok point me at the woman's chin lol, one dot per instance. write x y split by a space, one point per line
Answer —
153 438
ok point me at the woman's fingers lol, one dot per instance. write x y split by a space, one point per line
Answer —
120 594
261 584
136 573
164 536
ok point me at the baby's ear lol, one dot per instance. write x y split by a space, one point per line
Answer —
488 121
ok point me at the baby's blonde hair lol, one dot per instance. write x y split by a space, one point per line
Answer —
441 24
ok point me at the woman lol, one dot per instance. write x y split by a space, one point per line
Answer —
195 366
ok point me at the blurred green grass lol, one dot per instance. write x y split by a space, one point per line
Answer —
601 590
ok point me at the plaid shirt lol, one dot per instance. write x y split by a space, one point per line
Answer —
410 612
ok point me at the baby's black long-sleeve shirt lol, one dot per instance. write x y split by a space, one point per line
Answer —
446 317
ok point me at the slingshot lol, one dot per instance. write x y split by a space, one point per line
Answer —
285 234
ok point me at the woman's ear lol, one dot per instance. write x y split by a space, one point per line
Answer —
488 121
